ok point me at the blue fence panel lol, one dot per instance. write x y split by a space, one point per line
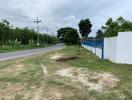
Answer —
97 43
94 43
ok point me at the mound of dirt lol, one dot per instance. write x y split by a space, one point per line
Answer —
63 59
93 80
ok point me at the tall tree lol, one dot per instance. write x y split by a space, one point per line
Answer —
85 28
68 35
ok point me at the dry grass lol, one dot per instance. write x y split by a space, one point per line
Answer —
41 77
93 80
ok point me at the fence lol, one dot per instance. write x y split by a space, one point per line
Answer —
96 46
117 49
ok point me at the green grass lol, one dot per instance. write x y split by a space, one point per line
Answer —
10 48
32 80
92 62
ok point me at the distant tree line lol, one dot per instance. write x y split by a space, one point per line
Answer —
70 35
24 36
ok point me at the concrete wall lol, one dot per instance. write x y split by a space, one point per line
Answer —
110 48
117 49
99 52
96 51
124 48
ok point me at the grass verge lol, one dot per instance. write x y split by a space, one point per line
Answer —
42 77
10 48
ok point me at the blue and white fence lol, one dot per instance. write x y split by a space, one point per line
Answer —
117 49
96 46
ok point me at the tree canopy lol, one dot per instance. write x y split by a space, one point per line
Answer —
85 28
68 35
112 27
24 36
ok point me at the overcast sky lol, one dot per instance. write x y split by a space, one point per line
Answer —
62 13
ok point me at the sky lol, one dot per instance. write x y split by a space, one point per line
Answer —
55 14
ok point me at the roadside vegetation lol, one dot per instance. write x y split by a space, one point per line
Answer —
68 35
18 47
22 38
71 73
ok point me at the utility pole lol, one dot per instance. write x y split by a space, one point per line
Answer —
47 33
37 21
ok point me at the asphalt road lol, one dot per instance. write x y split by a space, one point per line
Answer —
26 53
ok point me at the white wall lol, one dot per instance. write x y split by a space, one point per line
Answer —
110 48
99 52
96 51
117 49
124 47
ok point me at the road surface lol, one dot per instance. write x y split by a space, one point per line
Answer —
26 53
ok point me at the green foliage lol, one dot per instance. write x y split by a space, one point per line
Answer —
85 28
91 62
112 28
68 35
61 33
99 34
23 36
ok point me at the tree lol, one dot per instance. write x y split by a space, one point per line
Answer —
99 34
68 35
112 28
5 32
85 28
61 33
125 25
6 22
10 35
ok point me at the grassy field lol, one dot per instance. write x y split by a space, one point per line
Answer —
71 73
10 48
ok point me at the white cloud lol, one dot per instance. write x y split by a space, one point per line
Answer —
61 13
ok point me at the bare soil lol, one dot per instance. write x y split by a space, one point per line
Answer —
93 80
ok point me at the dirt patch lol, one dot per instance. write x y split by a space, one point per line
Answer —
13 91
38 94
94 81
9 92
108 80
13 69
45 72
66 72
53 94
63 59
56 56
